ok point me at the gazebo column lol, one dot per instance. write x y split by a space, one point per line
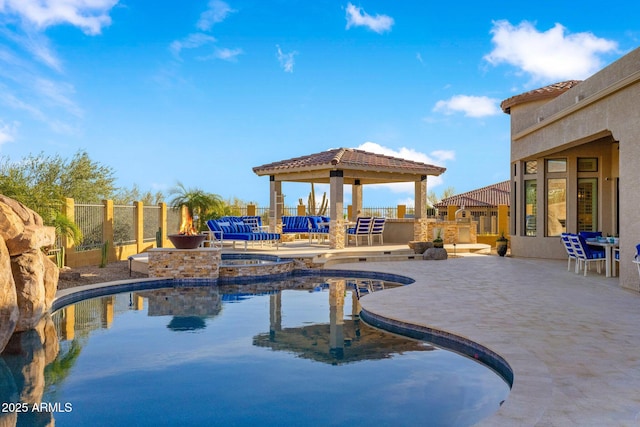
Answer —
356 199
420 221
336 213
276 205
337 291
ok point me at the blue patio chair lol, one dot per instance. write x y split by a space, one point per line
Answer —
584 255
361 229
636 257
377 228
571 253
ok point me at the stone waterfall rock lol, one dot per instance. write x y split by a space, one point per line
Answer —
28 279
8 299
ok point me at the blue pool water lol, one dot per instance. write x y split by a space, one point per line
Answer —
285 354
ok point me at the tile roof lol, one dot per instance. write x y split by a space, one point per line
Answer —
348 159
547 92
492 195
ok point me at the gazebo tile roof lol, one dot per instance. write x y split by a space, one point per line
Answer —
348 158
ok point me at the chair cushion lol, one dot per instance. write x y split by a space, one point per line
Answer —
242 228
227 229
213 225
590 234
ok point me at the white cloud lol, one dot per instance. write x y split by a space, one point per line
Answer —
89 15
228 54
286 60
58 95
551 55
438 158
37 45
356 17
7 132
192 41
217 12
56 124
471 106
408 202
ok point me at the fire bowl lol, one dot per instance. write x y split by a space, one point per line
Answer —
186 241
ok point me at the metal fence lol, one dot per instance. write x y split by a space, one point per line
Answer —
151 221
124 220
382 211
173 221
90 219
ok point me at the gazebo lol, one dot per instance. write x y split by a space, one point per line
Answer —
340 166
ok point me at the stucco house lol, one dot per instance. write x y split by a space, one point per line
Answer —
482 203
575 149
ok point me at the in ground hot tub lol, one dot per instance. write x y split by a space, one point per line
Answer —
234 267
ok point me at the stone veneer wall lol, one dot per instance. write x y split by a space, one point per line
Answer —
257 270
184 263
420 230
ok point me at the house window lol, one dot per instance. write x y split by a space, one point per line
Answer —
530 211
556 206
587 204
556 165
531 167
587 164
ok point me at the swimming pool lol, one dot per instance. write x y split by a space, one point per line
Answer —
288 352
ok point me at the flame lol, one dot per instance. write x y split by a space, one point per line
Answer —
186 225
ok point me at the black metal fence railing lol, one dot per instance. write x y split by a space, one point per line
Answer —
124 220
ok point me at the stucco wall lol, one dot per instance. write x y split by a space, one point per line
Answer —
602 108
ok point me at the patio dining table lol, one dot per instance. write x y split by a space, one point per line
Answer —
610 266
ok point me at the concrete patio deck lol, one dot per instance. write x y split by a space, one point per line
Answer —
572 341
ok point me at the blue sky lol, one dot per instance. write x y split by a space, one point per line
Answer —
201 91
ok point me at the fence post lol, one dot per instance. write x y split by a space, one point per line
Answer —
68 210
162 220
139 226
108 234
451 212
402 211
503 219
251 210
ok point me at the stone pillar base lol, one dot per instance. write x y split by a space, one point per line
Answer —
337 234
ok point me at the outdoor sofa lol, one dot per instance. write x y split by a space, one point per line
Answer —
313 225
244 228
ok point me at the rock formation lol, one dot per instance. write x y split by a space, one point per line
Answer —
435 254
28 279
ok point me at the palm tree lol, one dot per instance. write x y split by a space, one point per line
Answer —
199 204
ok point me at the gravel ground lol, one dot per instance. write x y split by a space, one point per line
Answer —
78 276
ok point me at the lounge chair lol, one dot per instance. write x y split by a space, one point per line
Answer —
636 258
361 229
584 255
571 253
318 227
377 228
